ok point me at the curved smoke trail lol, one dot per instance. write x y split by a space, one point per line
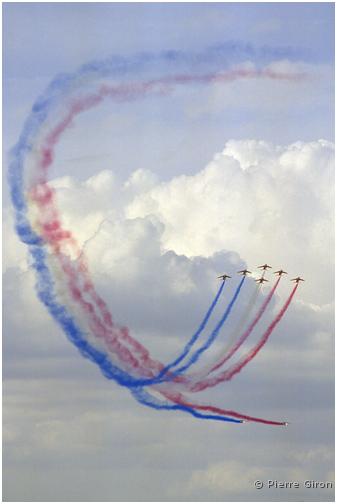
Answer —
45 291
47 231
42 196
145 398
179 399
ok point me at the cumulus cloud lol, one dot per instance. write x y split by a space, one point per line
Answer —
161 244
264 201
237 478
154 249
81 430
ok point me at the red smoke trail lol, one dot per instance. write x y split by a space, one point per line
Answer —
52 230
245 335
127 358
180 399
236 368
59 238
133 90
100 330
53 233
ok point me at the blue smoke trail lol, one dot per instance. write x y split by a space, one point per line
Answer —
45 291
225 53
145 398
41 109
43 106
160 378
193 339
60 87
114 66
28 236
213 335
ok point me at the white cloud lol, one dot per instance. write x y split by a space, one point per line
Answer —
266 202
70 424
224 477
161 245
236 478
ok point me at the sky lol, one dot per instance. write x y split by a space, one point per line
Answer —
164 193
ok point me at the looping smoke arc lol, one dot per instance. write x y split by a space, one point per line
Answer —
61 268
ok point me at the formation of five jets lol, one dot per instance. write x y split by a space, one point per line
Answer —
263 267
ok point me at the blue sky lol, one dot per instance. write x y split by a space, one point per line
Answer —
95 31
175 190
66 35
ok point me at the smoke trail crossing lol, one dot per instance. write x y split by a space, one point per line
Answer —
38 139
145 398
44 288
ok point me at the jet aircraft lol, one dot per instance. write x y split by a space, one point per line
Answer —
261 280
244 272
224 277
264 267
297 279
280 272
